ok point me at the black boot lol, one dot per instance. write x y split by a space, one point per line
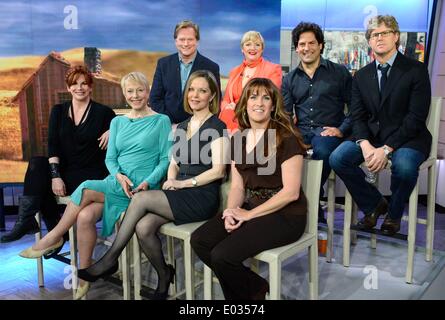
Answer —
25 224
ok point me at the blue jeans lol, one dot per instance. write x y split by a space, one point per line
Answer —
345 161
323 147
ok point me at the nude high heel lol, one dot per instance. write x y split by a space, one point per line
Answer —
82 291
31 253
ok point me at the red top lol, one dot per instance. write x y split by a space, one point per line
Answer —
234 89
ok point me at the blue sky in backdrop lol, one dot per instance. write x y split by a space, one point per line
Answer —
30 27
412 15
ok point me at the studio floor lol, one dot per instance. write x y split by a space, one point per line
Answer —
373 274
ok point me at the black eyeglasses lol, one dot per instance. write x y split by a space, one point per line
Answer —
384 34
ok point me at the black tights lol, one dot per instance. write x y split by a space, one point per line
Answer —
37 178
147 212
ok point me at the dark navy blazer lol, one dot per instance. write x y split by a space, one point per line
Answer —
398 117
166 96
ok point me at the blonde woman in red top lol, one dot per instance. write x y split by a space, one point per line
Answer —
253 66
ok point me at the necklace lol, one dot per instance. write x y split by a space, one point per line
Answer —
249 72
82 119
193 127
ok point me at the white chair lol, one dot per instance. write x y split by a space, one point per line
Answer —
331 205
330 216
309 240
124 266
172 231
429 164
38 236
183 233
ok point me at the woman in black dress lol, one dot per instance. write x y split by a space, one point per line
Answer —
265 207
191 192
77 139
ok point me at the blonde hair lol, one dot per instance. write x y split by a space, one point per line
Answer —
135 76
186 24
389 21
252 35
213 85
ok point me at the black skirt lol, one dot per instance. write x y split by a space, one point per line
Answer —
194 204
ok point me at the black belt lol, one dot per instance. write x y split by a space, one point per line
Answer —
262 193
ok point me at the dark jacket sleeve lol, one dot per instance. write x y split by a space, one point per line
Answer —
286 90
213 67
205 63
157 93
218 77
346 125
359 113
419 105
53 132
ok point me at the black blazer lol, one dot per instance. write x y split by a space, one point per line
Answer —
398 119
166 96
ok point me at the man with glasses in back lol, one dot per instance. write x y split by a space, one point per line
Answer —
390 104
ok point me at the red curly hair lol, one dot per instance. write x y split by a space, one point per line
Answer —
75 72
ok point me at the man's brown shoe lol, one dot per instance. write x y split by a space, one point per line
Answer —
370 220
390 226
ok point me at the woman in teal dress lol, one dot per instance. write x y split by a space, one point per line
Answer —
191 192
137 159
137 152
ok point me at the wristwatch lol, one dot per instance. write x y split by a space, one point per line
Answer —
387 152
194 182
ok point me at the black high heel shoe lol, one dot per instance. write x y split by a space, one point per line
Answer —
85 275
158 295
54 252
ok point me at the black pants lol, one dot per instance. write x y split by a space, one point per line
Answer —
225 252
38 183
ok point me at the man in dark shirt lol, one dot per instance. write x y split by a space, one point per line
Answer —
173 71
316 93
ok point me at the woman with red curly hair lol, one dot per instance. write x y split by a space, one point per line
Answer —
77 139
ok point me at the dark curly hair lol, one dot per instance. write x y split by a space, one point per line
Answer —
308 27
